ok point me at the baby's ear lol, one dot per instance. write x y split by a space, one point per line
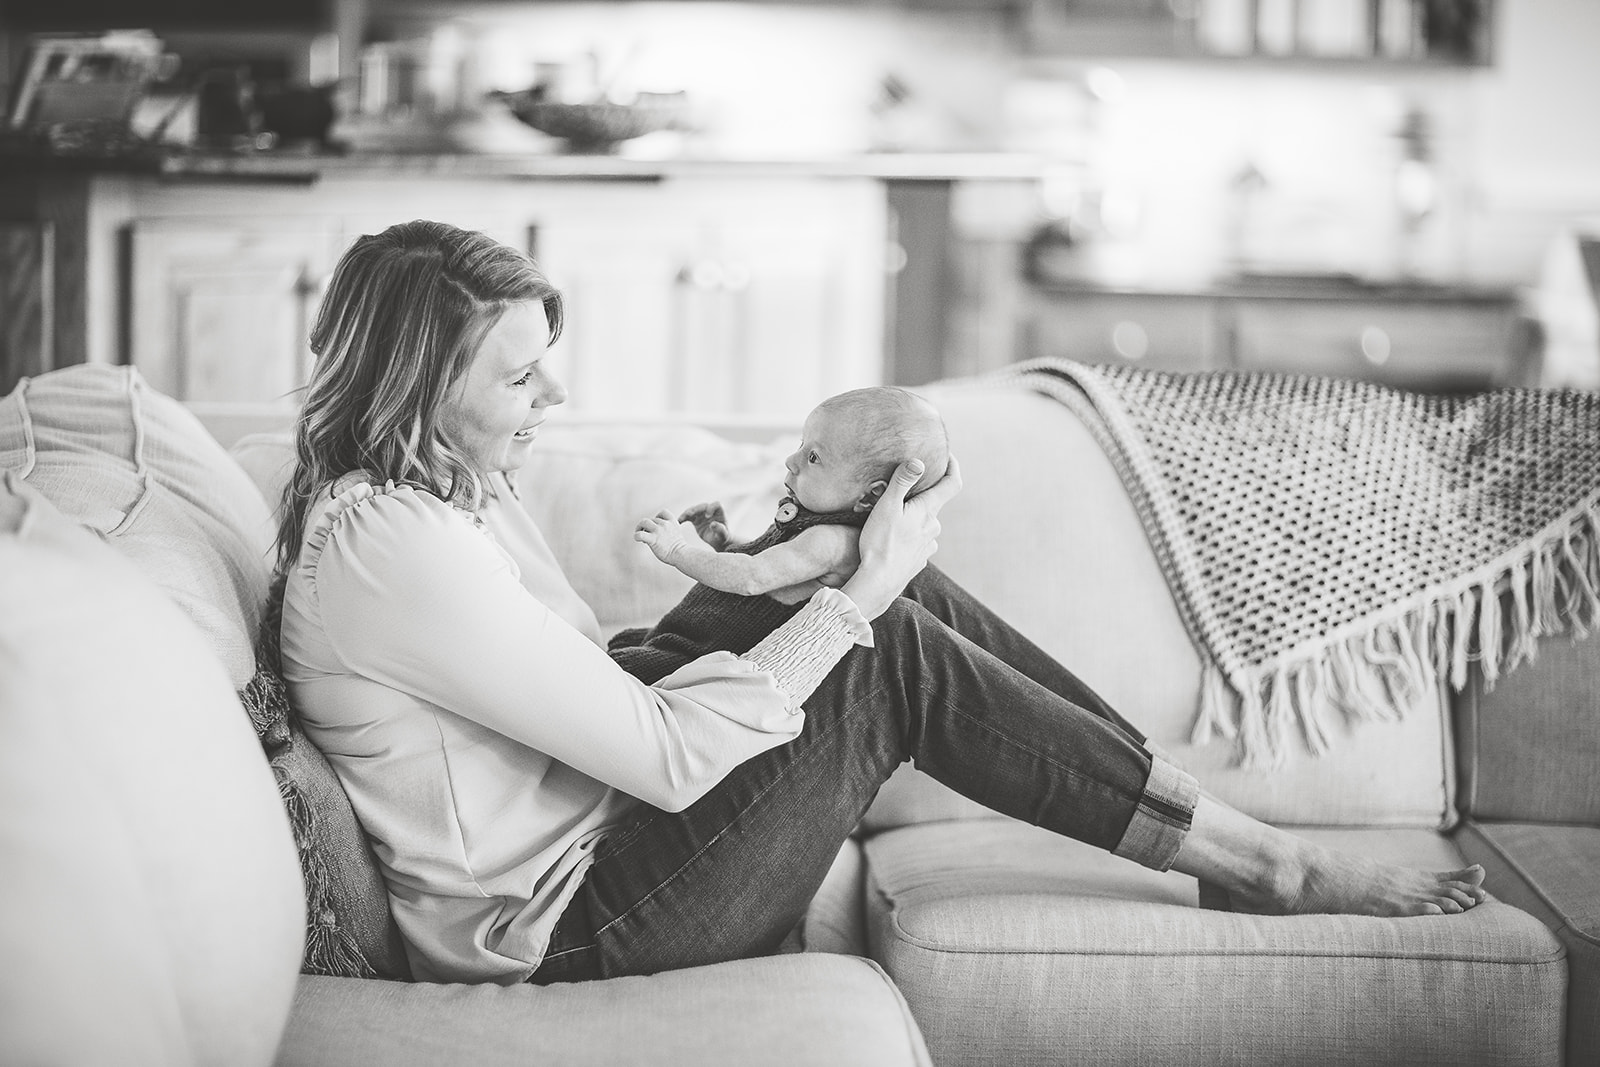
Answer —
870 497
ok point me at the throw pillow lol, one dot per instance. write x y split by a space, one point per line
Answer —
350 932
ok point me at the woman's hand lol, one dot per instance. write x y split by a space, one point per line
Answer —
899 537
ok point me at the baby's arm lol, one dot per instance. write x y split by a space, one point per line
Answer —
817 554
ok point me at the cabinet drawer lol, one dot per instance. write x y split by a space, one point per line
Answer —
1435 345
1163 333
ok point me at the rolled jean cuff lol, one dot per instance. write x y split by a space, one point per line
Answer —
1165 812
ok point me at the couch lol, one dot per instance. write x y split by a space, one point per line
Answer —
173 864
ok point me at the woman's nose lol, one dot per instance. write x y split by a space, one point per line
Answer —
552 394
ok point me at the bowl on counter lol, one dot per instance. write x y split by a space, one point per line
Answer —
599 126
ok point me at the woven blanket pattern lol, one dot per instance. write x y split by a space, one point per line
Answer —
1339 546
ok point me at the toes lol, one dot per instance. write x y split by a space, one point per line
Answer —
1465 895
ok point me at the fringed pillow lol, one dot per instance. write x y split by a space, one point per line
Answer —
350 932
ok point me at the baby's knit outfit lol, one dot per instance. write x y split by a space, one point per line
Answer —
710 620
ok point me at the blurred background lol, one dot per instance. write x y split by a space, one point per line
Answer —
751 204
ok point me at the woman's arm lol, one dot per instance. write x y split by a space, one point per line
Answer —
413 597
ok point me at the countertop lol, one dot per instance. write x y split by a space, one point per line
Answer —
1268 285
310 167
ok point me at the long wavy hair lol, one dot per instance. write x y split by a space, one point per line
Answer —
403 317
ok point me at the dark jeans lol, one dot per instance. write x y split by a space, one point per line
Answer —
949 684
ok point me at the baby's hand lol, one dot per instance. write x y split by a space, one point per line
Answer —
665 536
710 522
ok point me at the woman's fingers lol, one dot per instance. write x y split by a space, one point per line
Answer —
900 483
941 492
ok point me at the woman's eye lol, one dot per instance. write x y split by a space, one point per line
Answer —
524 380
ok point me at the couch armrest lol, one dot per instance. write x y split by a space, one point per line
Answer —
790 1010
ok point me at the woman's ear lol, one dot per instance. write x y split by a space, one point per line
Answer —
870 497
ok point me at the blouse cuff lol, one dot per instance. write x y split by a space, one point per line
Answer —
801 652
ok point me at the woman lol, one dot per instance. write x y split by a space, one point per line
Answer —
540 814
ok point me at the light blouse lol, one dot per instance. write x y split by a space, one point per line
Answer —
457 684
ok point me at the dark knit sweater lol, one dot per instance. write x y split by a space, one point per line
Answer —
710 620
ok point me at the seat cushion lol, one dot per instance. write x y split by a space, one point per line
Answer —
786 1011
1015 946
1553 872
150 902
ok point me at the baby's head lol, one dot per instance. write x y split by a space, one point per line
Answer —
852 443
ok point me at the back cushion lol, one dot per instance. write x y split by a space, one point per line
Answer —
137 467
588 486
1531 745
150 902
1043 533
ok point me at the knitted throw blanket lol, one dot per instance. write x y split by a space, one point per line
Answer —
1337 547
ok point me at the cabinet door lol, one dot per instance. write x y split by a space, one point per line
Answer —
801 314
1438 345
751 300
1160 332
629 314
27 285
221 312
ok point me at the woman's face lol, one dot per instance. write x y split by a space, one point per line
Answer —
493 413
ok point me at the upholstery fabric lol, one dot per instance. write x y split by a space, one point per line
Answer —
138 468
588 486
1530 746
150 905
1553 872
1106 613
1014 946
836 921
783 1011
1109 616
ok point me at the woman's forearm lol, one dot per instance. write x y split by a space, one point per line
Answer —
801 652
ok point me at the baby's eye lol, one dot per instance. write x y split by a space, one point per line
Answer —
812 457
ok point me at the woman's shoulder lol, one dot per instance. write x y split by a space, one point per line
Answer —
370 517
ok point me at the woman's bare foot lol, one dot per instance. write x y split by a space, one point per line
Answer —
1267 871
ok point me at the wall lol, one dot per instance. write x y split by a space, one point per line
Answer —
1152 150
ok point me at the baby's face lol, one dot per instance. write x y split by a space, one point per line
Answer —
825 471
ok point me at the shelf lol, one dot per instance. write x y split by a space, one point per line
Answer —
1419 34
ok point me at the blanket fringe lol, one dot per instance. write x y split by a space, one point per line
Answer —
1494 620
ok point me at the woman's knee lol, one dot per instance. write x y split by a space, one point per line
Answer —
903 617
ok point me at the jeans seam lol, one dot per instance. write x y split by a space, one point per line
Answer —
1066 770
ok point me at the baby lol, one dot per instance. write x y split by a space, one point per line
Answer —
848 450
